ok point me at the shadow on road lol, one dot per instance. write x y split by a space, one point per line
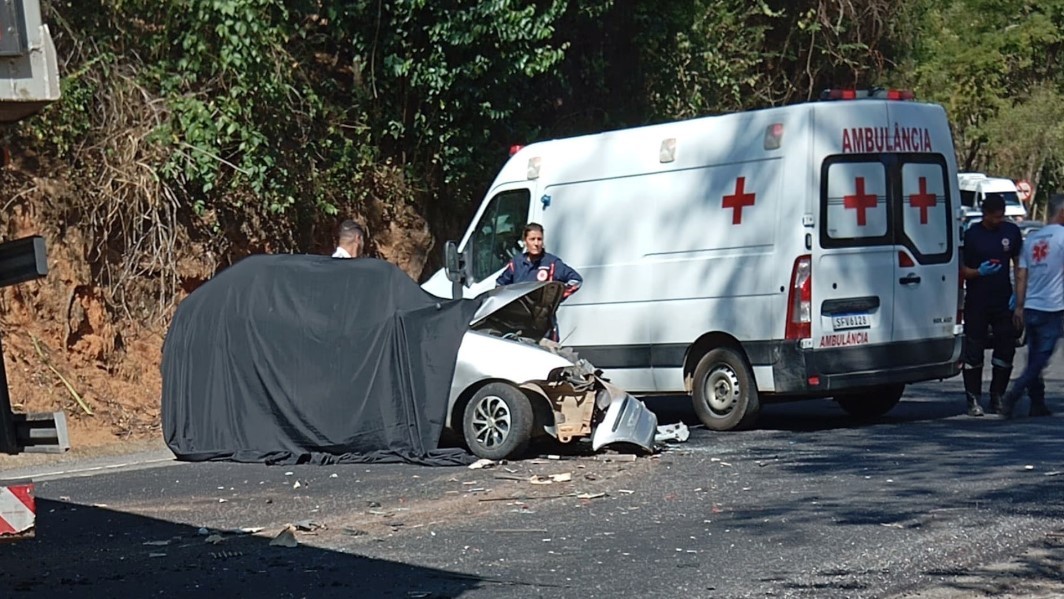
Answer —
87 551
882 480
811 415
932 401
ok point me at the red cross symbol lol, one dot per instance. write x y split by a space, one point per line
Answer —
738 200
1040 251
860 202
922 200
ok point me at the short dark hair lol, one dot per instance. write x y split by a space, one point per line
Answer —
1056 204
349 229
531 227
993 204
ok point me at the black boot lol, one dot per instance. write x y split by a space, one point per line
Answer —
973 383
1040 409
999 382
1008 403
995 404
1037 393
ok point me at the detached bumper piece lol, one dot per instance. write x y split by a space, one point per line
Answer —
626 421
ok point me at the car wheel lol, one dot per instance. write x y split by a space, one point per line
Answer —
725 393
872 403
498 422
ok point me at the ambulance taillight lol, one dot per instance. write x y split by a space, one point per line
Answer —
800 300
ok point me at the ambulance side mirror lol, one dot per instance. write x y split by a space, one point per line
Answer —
454 267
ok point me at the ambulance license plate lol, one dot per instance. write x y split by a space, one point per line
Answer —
842 322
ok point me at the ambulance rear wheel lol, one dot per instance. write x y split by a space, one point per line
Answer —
725 393
872 403
497 423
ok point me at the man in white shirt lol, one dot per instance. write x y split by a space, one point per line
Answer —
352 238
1040 306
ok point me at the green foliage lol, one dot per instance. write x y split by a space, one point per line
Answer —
223 66
268 117
67 123
439 80
979 58
711 62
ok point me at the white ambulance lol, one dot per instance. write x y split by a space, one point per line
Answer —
976 187
800 251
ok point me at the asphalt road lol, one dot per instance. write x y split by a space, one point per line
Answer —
810 504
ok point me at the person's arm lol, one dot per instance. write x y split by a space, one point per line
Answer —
971 268
1021 288
1017 250
1019 291
1020 263
1021 296
507 276
569 276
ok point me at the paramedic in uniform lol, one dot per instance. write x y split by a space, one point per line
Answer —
989 248
1040 305
536 265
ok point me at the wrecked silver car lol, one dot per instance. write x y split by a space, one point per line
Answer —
511 384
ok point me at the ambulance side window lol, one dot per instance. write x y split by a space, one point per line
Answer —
496 235
854 209
968 198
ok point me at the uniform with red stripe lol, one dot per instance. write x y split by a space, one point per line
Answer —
545 267
537 265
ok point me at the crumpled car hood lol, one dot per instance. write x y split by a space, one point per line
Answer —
524 309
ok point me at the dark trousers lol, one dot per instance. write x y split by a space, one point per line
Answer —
978 322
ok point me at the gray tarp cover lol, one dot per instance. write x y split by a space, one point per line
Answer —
289 359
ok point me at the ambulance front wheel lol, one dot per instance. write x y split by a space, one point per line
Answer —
871 403
725 393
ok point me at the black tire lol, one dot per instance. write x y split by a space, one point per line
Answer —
498 421
871 403
725 392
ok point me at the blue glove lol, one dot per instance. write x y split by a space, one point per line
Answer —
1012 302
988 268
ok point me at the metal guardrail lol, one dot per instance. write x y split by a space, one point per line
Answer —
24 260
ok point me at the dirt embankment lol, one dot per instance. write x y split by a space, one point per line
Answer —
88 338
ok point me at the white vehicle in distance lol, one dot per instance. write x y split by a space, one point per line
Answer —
976 187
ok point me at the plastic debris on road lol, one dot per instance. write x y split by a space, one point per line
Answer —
538 479
672 432
286 538
308 525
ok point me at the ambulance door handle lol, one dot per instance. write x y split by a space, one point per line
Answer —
910 279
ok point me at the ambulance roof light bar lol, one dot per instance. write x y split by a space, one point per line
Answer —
878 93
